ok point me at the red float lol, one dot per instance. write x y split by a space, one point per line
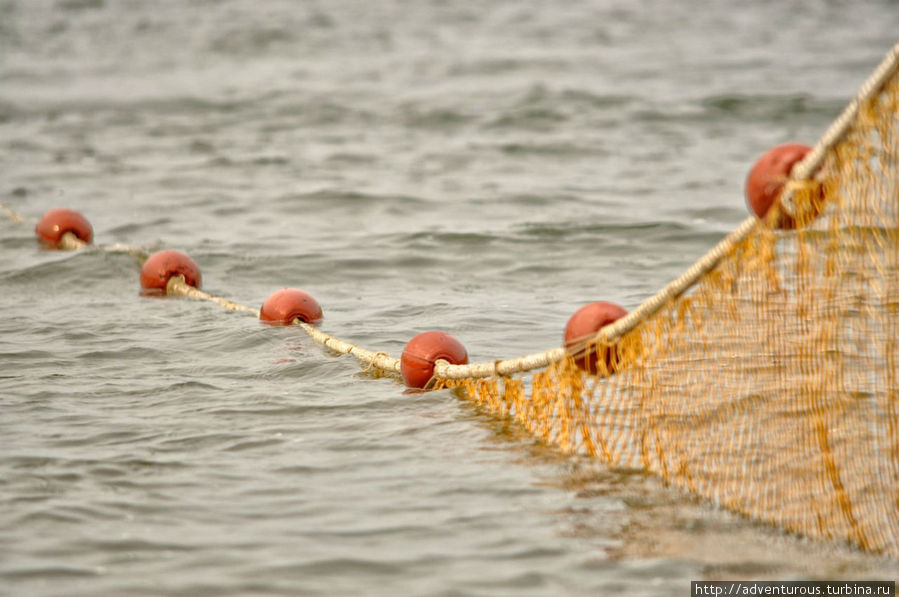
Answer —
156 271
57 222
585 322
767 177
425 349
285 305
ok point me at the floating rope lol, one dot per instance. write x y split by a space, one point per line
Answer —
14 216
176 286
838 129
608 334
379 359
769 388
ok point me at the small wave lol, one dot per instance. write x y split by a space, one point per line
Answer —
529 118
497 66
79 5
622 229
339 199
442 240
335 566
251 40
769 107
434 118
49 572
291 112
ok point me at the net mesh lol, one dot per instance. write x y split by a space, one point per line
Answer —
770 387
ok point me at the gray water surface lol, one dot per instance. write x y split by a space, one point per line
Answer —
480 168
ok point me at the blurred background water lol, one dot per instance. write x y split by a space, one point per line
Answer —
480 168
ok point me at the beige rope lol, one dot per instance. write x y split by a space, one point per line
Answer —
812 161
69 242
612 332
139 255
378 359
14 216
442 369
176 286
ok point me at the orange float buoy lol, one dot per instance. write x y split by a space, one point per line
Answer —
57 222
285 305
768 175
585 322
156 271
425 349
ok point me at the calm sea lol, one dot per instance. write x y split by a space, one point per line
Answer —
483 168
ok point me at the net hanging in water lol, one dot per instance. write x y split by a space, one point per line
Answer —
764 378
769 385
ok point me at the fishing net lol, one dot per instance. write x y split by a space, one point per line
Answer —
765 377
770 385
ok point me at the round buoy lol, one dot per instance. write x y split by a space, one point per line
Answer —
57 222
156 271
585 322
425 349
768 175
285 305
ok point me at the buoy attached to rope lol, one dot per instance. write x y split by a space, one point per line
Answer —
768 175
285 305
585 322
425 349
57 222
156 271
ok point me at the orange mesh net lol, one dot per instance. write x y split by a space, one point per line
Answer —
771 386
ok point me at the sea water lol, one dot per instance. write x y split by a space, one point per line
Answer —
482 168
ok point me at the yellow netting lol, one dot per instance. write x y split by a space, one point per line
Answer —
770 387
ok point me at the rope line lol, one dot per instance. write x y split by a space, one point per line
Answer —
613 331
443 370
379 359
14 216
176 286
837 130
70 242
